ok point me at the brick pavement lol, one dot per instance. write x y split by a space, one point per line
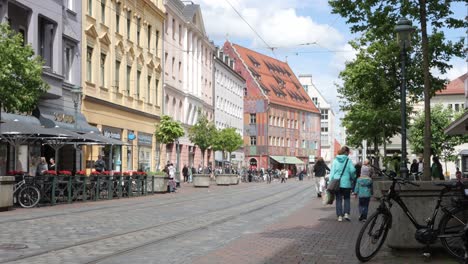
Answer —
309 235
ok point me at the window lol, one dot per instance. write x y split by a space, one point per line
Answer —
138 30
180 69
46 41
450 106
149 36
129 71
324 114
156 42
68 56
90 7
173 28
288 143
303 126
156 84
289 123
102 69
148 90
117 73
245 91
457 107
324 129
70 5
314 99
270 120
303 144
129 23
117 17
253 118
173 64
103 11
297 143
180 34
138 84
253 141
89 64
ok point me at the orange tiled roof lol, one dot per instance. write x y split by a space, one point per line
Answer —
456 86
277 80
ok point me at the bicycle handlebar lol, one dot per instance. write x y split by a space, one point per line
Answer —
394 178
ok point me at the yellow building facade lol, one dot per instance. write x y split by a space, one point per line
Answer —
122 79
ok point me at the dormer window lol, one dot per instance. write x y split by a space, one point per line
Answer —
254 61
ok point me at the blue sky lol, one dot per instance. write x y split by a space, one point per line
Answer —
286 25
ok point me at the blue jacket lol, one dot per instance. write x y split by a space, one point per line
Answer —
349 173
363 187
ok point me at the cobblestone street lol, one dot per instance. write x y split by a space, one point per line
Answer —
248 223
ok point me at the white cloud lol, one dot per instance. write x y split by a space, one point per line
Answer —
276 21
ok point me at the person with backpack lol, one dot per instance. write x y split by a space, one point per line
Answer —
344 171
364 191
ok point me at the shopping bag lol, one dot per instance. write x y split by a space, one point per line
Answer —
328 197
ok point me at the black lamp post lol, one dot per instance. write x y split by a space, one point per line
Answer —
76 96
404 30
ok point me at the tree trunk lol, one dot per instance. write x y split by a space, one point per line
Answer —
376 152
427 91
203 159
158 161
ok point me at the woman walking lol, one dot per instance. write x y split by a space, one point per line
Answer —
344 171
320 170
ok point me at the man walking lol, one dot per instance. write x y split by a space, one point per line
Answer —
185 173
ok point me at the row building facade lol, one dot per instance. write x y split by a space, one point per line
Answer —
281 123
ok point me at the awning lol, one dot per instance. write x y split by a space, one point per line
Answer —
287 159
105 140
31 120
51 118
459 126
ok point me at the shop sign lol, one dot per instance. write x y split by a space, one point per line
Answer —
145 139
64 118
112 132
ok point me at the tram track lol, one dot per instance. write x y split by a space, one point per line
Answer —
204 217
132 206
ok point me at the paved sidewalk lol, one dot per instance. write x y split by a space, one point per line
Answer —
310 235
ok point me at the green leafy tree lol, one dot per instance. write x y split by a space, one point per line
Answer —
228 140
202 134
442 144
21 82
430 51
166 132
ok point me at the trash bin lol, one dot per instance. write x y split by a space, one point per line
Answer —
6 192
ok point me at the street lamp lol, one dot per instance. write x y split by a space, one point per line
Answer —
177 162
76 97
404 30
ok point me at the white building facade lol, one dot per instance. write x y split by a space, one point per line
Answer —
188 75
229 103
327 119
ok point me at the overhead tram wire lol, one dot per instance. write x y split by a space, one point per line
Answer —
256 33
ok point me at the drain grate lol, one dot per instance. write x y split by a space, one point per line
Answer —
13 246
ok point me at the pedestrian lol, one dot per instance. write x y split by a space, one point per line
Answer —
283 176
171 173
458 174
358 174
320 170
436 169
190 173
185 173
420 165
52 164
99 164
364 191
414 167
41 167
344 171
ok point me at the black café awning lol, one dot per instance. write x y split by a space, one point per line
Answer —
51 118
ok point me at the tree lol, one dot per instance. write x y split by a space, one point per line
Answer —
431 51
228 140
442 144
202 134
21 82
166 132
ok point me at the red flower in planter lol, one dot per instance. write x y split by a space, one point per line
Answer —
50 172
15 173
107 173
65 173
127 173
96 173
80 173
117 173
140 173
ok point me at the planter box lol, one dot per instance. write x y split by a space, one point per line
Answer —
160 183
234 179
223 179
6 192
420 202
201 180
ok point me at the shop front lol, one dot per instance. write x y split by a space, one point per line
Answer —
112 154
145 144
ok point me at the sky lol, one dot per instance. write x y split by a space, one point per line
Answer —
287 26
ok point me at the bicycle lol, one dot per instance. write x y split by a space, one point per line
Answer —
449 231
27 195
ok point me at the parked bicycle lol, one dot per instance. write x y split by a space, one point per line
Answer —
450 230
25 193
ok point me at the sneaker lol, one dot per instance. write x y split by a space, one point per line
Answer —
363 220
346 217
319 195
340 218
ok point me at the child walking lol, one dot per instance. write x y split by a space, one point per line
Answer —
363 190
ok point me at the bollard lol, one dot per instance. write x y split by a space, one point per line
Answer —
98 188
130 182
152 185
109 187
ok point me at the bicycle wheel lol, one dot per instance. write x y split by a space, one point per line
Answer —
29 196
451 231
372 235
